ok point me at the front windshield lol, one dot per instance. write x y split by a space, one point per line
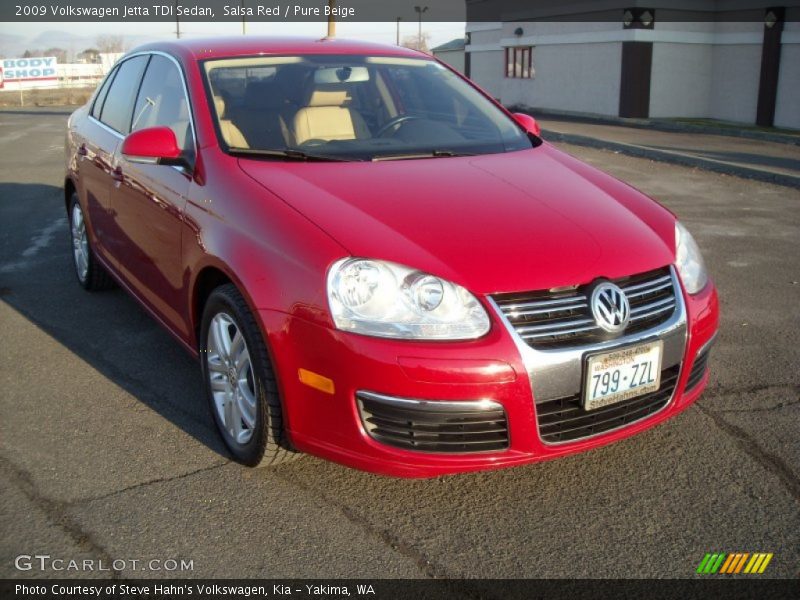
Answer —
354 107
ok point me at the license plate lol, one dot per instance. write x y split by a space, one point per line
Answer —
622 374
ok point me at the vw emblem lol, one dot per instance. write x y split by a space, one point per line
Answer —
610 307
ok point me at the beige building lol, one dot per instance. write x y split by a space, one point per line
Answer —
734 60
452 53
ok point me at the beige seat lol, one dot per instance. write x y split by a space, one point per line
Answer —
327 116
230 133
263 116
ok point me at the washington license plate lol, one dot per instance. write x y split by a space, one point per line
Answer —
623 374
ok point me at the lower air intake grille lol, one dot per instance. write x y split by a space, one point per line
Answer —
433 426
564 419
698 370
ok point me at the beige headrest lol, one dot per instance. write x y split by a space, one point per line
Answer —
219 104
330 95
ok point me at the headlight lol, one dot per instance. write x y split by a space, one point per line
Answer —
689 261
384 299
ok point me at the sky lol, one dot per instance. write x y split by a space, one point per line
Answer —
16 37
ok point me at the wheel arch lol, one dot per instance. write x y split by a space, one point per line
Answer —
211 276
69 189
207 280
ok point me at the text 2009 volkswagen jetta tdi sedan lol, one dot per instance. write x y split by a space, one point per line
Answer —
376 263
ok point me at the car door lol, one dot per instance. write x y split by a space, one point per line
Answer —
149 199
110 122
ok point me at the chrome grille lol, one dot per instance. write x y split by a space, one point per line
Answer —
556 319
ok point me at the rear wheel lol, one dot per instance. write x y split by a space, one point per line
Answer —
239 381
89 273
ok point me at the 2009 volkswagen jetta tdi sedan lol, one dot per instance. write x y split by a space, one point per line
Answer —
376 263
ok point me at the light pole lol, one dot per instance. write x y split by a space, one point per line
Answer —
398 29
419 10
177 22
244 25
331 20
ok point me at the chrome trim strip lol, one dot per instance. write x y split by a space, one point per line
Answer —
664 280
549 332
558 373
707 346
542 311
558 327
106 127
440 405
538 303
658 303
641 316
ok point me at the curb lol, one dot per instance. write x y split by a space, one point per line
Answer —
39 110
660 125
674 158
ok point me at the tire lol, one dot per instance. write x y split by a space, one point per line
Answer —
90 274
239 382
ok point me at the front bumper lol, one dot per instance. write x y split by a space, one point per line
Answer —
497 368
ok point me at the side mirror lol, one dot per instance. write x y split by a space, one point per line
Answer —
528 123
153 146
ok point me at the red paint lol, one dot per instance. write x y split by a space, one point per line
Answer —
155 142
520 221
528 123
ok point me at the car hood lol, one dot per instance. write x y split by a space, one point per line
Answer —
518 221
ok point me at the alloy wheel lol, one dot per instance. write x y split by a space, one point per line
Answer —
231 379
80 243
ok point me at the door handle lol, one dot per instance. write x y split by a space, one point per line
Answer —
117 175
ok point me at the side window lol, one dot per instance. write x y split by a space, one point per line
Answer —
162 102
97 107
118 105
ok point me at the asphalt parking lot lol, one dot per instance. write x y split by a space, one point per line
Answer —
107 450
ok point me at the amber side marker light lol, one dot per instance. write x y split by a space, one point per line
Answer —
316 381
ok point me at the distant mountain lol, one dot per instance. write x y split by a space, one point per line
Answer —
54 38
13 45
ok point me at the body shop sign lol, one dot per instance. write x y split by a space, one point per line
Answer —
39 68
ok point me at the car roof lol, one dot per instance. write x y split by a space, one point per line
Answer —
223 47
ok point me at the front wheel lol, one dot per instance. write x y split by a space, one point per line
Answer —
239 381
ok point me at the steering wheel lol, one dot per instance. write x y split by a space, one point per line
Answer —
393 123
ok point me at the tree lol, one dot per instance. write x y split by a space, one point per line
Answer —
90 55
416 42
110 43
59 53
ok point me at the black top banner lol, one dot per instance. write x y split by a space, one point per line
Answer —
473 11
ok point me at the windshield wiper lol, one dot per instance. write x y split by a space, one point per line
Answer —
431 154
290 154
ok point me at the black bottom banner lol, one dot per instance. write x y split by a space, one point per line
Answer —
389 589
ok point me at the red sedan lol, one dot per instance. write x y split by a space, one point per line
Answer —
376 263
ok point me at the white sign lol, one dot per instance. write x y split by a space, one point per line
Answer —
39 68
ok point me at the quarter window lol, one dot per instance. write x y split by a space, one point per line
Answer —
519 62
162 102
97 107
118 105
